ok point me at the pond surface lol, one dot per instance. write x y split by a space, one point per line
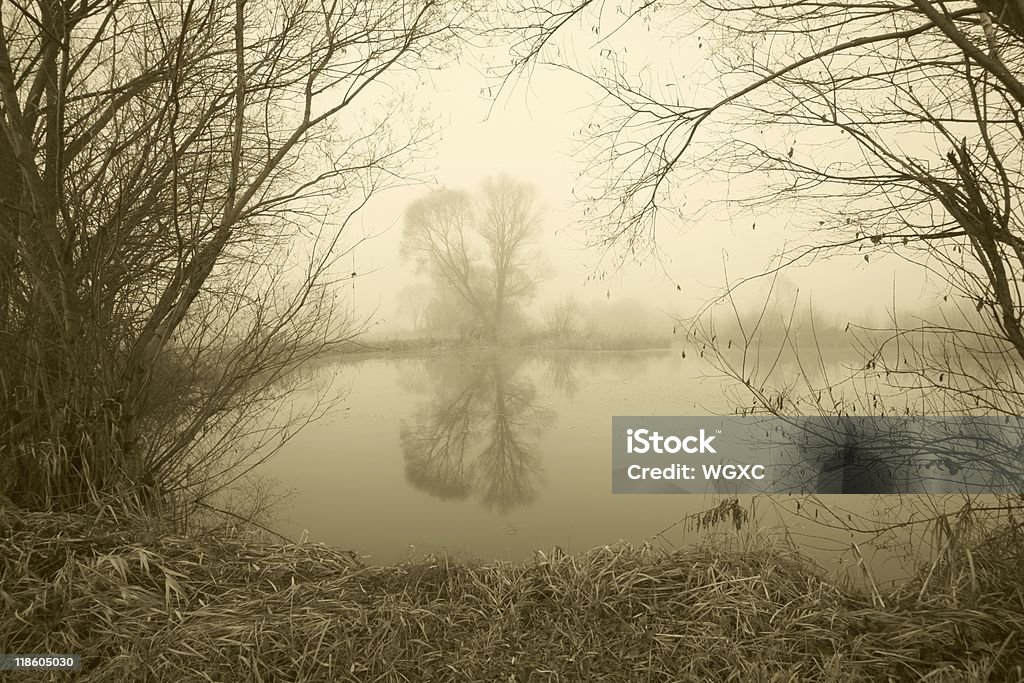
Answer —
496 454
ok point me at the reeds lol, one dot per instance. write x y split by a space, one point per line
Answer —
141 604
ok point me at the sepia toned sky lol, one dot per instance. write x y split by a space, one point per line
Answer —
530 131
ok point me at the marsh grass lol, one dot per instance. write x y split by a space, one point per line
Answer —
140 603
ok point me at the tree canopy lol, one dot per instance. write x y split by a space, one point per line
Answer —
479 250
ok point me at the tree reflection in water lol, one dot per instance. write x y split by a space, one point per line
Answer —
561 372
477 435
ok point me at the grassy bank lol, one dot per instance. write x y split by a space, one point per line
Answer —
142 605
533 342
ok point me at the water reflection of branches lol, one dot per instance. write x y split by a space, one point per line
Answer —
477 434
562 368
436 448
561 371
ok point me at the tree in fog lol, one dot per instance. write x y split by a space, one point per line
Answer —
413 304
176 178
508 222
479 248
564 318
448 313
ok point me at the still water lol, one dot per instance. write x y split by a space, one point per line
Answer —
494 455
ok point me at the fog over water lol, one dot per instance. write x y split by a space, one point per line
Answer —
445 442
498 454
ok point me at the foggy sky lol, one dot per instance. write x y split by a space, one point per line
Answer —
530 132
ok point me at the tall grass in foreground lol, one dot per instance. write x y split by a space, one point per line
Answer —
142 605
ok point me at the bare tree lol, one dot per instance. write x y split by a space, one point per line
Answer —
890 128
479 248
880 128
172 174
439 238
564 318
413 302
509 221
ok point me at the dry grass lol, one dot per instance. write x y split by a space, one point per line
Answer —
139 604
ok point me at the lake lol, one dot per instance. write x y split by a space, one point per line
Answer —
497 454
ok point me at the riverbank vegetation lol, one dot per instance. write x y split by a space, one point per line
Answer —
597 342
177 185
143 603
430 317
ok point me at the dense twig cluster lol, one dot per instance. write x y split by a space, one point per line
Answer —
175 181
